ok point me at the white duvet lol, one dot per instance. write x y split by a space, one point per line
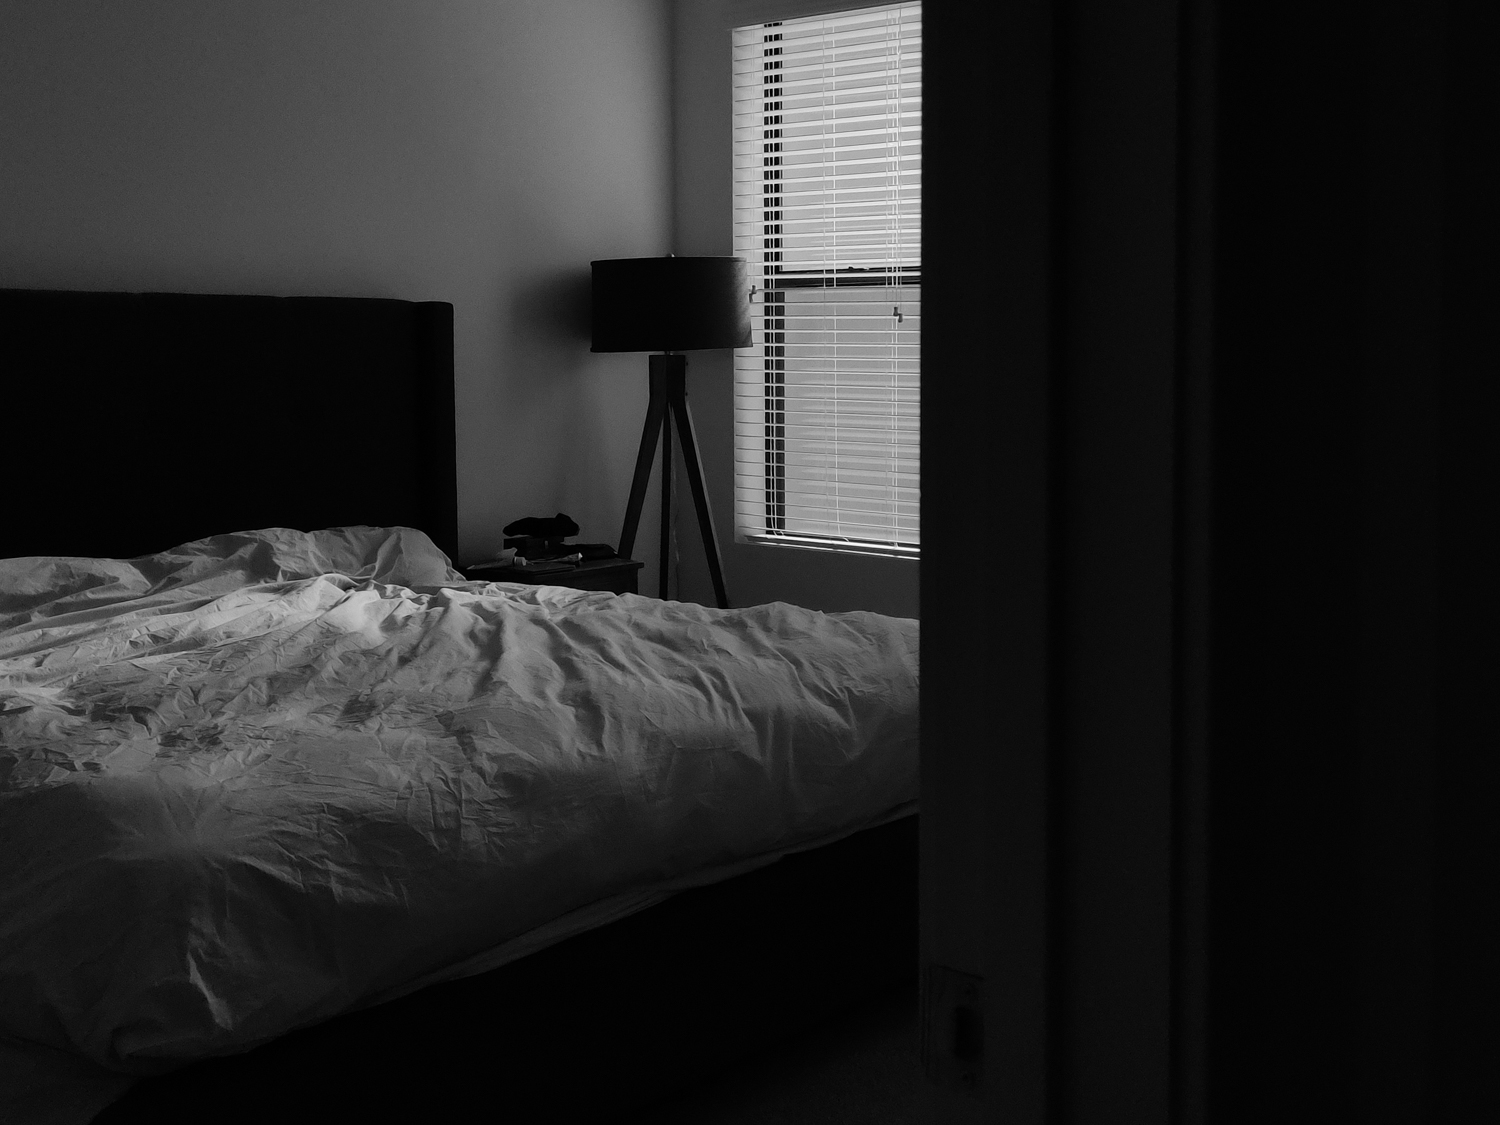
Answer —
268 777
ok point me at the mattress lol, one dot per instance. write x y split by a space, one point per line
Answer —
273 776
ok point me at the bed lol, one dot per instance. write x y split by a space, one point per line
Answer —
297 822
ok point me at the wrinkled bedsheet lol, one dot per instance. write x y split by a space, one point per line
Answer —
258 780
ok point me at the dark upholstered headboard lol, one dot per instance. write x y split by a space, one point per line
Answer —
131 422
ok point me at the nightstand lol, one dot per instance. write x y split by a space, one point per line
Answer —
618 576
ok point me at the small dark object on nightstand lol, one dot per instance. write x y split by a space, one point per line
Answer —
543 527
594 551
540 537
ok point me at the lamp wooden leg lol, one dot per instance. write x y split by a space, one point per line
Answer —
664 567
656 417
689 438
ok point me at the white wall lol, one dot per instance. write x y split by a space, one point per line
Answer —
477 152
754 573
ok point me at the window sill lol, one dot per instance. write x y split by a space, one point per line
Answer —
833 546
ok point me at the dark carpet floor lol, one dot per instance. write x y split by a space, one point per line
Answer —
861 1069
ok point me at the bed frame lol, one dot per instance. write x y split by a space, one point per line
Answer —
135 422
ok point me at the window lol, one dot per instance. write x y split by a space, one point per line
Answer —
827 211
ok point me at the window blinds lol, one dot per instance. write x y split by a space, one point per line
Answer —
827 211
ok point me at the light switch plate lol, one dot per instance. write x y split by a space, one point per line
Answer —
953 1028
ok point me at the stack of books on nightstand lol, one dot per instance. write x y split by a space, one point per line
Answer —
536 557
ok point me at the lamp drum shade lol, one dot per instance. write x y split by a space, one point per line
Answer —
670 304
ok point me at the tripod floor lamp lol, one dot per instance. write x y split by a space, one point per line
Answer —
670 305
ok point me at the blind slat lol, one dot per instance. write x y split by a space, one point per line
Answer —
811 493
